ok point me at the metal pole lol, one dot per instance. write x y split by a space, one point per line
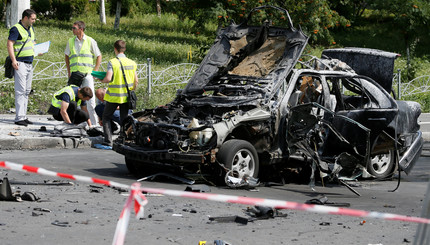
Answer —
423 232
399 80
149 75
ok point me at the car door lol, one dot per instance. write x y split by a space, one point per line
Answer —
363 110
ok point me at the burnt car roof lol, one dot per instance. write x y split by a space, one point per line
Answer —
259 55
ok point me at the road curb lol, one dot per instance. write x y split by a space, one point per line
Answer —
426 136
35 143
13 137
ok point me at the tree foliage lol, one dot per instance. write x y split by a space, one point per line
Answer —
410 16
318 18
314 16
59 9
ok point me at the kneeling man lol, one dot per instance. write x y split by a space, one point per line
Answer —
65 102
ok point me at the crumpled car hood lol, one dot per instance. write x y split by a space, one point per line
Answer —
260 52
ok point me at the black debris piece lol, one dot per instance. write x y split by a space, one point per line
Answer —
170 176
45 182
95 189
42 210
29 196
6 191
61 224
198 188
324 201
262 212
227 219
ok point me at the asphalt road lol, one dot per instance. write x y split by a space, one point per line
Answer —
424 121
83 214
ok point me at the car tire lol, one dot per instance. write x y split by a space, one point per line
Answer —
240 157
382 165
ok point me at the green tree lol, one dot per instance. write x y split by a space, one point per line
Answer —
350 9
412 17
314 16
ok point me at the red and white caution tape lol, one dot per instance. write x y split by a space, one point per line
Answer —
287 205
42 171
137 200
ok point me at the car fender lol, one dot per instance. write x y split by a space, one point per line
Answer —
224 128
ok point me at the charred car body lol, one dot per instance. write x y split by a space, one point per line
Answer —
253 104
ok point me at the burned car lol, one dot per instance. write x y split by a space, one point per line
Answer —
257 104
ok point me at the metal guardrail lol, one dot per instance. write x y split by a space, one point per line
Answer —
176 74
416 86
173 75
181 74
43 69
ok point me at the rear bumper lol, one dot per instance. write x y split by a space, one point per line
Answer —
411 156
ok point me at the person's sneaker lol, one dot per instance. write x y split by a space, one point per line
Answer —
21 123
28 121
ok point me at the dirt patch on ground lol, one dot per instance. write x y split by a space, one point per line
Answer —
260 62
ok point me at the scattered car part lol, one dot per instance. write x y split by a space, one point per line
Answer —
180 179
29 196
45 182
226 219
42 210
245 181
262 212
6 191
221 242
198 188
324 201
61 223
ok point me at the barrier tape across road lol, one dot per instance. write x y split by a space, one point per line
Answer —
137 200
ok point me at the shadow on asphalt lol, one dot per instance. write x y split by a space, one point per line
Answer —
119 171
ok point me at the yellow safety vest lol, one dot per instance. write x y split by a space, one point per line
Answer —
84 60
69 90
117 91
28 49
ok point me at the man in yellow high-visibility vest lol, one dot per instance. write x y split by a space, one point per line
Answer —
116 94
22 37
79 57
65 105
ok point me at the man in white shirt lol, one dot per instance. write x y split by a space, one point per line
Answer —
79 56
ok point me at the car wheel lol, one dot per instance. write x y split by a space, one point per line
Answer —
382 165
240 157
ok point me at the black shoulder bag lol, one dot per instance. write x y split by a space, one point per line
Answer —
8 68
132 98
